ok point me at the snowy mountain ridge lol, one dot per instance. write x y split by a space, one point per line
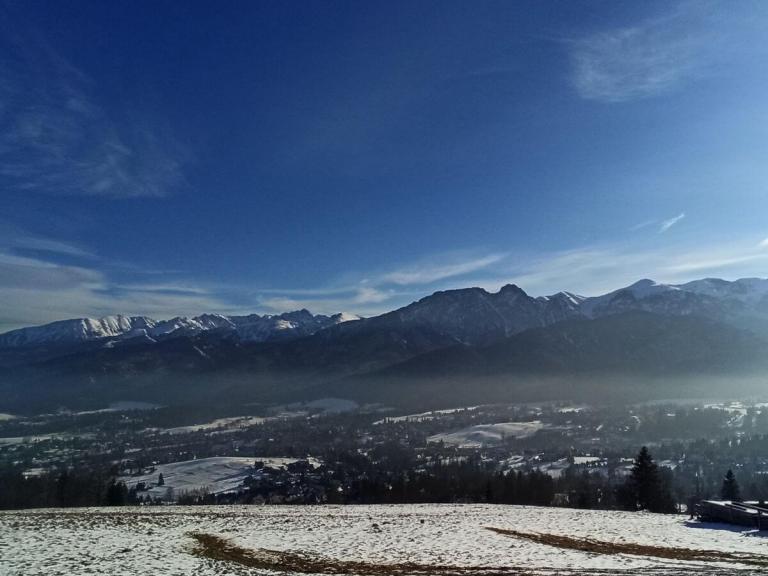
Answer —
468 315
253 327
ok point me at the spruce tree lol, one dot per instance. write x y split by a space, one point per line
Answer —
117 493
644 479
730 489
646 488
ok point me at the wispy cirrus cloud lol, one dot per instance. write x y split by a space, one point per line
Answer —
593 270
661 225
37 291
429 272
20 242
40 288
361 300
367 293
669 222
57 137
646 59
44 279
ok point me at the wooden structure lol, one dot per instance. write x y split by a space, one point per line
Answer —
754 514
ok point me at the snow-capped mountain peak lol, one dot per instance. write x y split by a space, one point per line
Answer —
345 317
646 287
250 328
470 316
750 290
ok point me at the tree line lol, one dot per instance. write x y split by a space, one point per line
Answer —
353 479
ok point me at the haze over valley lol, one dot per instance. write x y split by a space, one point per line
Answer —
642 342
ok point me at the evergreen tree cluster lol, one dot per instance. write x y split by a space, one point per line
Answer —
62 488
647 487
388 475
730 489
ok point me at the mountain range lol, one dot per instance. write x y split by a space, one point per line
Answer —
253 327
452 346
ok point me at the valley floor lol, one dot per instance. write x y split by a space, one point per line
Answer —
371 540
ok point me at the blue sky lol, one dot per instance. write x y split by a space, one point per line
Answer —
170 158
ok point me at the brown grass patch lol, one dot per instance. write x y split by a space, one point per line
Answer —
216 548
612 548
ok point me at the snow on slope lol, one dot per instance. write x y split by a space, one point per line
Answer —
151 541
484 434
77 330
508 311
231 424
253 327
640 290
423 416
218 475
750 290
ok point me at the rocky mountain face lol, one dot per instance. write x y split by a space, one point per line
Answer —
447 341
473 316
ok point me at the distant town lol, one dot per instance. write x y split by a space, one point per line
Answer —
333 451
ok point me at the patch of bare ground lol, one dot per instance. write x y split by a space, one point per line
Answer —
213 547
217 548
612 548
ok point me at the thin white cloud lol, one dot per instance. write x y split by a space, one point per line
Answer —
661 225
39 244
165 288
31 306
596 270
369 293
763 244
364 301
430 273
645 59
57 138
667 224
322 292
19 272
709 262
37 290
643 225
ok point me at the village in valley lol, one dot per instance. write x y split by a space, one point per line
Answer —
334 451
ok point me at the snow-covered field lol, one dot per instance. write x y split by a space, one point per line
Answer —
424 416
379 540
218 425
34 439
482 434
216 475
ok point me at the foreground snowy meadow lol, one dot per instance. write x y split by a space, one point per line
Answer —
375 540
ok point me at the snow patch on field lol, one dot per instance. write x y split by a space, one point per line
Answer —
424 416
583 460
217 475
151 541
482 434
220 424
34 439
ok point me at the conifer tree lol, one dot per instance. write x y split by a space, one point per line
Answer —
646 488
645 479
730 489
